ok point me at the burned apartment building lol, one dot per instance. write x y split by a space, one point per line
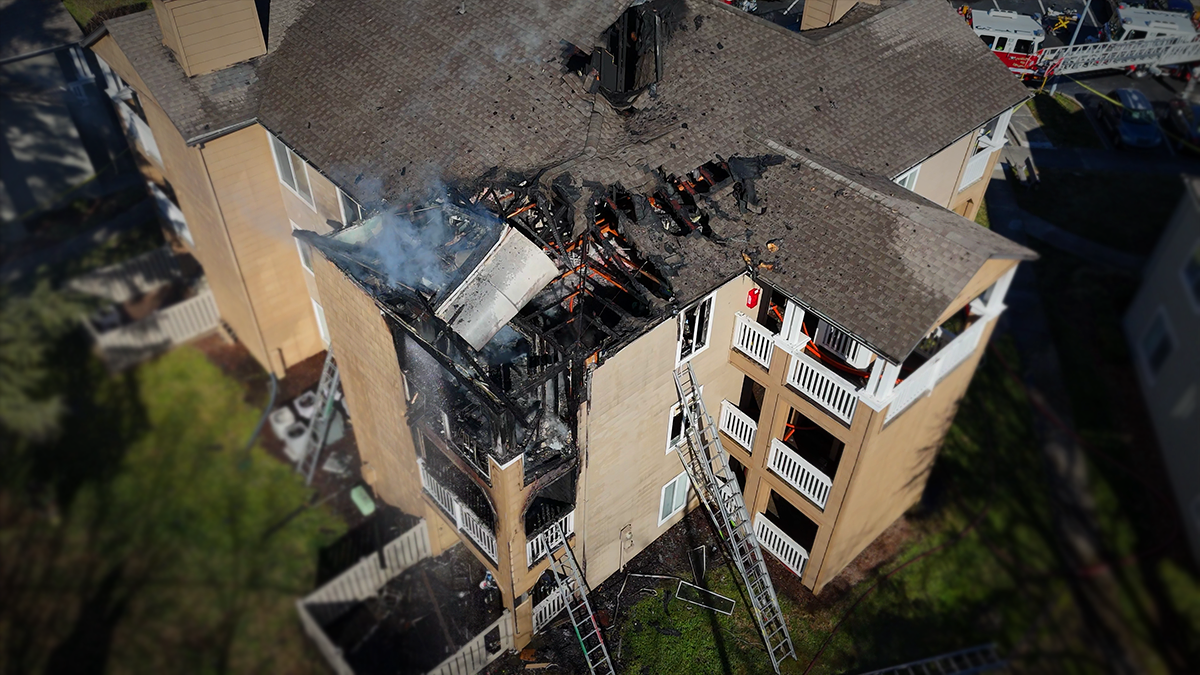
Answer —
515 222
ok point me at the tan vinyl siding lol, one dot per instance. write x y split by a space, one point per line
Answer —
243 176
208 35
940 174
627 462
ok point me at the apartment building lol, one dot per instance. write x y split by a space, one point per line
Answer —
514 226
1160 326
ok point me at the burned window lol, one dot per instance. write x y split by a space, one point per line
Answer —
695 326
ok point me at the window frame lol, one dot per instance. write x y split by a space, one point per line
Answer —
680 359
662 493
909 176
1168 332
677 408
1190 287
304 250
322 327
292 159
342 199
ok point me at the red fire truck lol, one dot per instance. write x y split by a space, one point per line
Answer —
1015 38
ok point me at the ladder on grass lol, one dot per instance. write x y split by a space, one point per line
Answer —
979 659
707 466
569 581
318 428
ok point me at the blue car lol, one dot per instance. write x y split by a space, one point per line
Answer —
1132 122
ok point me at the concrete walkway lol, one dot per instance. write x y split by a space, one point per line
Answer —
1003 211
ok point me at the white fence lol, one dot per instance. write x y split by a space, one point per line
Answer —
482 650
738 425
791 554
464 518
130 278
841 343
539 546
162 330
923 379
822 385
753 340
547 609
799 473
356 584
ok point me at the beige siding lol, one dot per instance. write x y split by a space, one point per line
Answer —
821 13
967 202
626 456
208 35
244 178
938 180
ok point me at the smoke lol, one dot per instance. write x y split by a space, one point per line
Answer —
407 254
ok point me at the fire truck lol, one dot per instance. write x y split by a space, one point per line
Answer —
1134 37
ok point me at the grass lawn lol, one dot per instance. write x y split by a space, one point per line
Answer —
1064 121
1000 582
84 11
140 530
1124 211
981 216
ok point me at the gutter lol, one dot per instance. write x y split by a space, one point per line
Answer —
94 36
212 135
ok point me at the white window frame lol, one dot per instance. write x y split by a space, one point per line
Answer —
301 248
908 179
672 442
342 199
1143 357
679 357
310 200
1183 276
662 493
322 327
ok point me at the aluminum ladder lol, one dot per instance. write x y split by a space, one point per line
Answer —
318 428
569 581
964 662
707 466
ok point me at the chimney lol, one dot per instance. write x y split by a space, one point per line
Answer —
208 35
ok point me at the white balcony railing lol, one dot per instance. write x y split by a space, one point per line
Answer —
753 340
547 609
809 377
539 546
841 343
799 473
791 554
738 425
464 518
923 379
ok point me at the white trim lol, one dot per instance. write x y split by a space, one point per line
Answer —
342 197
300 250
1143 359
679 358
663 492
310 200
676 409
319 312
1194 253
909 176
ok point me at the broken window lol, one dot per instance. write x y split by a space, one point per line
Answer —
629 58
351 211
695 327
678 425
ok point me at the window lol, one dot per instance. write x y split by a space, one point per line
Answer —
677 426
673 498
320 312
1001 45
908 179
305 252
293 172
351 211
1191 276
1156 343
1136 35
1024 47
695 327
988 40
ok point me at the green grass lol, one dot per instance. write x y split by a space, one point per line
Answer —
140 530
981 216
1064 121
999 583
84 11
1124 211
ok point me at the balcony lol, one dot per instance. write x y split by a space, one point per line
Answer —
948 353
779 544
463 517
753 340
825 387
799 473
538 547
738 425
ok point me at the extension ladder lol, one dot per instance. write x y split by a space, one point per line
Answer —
965 662
569 581
707 466
318 428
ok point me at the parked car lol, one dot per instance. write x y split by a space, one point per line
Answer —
1132 121
1183 119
